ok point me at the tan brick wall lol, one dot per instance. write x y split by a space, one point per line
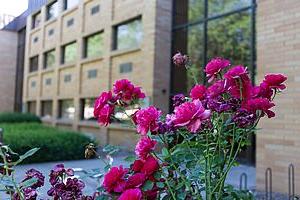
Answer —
278 51
149 69
8 57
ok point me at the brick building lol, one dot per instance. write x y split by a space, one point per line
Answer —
77 48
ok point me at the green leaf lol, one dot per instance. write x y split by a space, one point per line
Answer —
130 158
148 185
28 183
26 155
160 184
165 152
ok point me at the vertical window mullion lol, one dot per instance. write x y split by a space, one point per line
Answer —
253 41
205 37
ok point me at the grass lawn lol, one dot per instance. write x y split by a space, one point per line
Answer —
55 144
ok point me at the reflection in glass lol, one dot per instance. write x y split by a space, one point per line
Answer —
69 52
36 20
34 64
46 109
49 59
129 35
70 4
88 109
188 11
94 45
52 10
230 37
66 109
217 7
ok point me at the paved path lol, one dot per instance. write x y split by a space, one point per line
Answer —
91 185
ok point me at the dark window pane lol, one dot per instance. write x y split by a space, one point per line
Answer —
36 20
94 45
217 7
70 4
36 39
46 109
230 37
67 78
88 109
129 35
33 84
51 31
49 59
188 11
69 53
31 107
125 67
66 109
95 9
92 73
70 22
48 81
52 10
188 41
34 64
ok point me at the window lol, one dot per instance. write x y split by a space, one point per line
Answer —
67 78
46 109
69 53
48 81
36 20
66 109
95 9
49 59
51 32
52 10
87 109
33 84
205 29
31 107
128 35
125 68
92 73
94 45
34 64
70 4
35 40
70 22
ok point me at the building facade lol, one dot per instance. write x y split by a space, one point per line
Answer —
77 49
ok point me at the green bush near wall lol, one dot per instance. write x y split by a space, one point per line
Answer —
18 118
54 144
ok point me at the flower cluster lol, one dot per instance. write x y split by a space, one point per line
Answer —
127 183
124 93
63 186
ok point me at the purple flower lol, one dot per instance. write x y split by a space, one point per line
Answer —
178 99
29 194
220 104
244 118
32 173
57 173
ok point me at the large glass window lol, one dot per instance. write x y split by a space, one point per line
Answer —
46 109
87 109
128 35
70 4
49 59
93 45
69 53
36 20
34 64
66 109
52 10
205 29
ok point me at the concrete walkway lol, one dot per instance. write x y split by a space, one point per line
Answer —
92 184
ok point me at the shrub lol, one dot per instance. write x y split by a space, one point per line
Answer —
54 144
18 118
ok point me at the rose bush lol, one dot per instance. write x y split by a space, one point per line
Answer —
199 141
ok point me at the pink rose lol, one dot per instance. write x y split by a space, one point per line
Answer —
104 116
216 89
239 83
262 104
114 179
180 60
147 120
103 108
136 180
214 67
126 91
144 147
198 92
137 165
150 166
191 115
131 194
102 100
275 81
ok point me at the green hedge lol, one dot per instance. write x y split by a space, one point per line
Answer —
18 118
54 144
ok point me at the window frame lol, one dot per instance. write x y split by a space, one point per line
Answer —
43 110
60 113
48 16
63 53
34 25
45 59
31 70
85 44
65 4
115 31
82 108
